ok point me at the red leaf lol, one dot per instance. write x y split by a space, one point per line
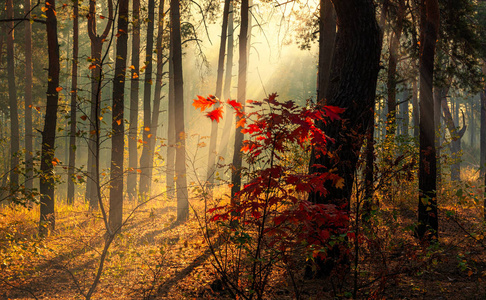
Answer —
333 112
203 103
216 115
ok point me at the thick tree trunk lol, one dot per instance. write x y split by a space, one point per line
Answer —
180 164
74 96
415 109
219 91
47 217
118 122
148 133
29 150
241 98
228 123
427 209
158 89
92 182
12 96
134 97
327 38
356 65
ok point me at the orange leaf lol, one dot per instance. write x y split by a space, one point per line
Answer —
118 122
58 89
55 161
241 123
139 171
216 115
203 103
147 128
92 66
102 17
149 136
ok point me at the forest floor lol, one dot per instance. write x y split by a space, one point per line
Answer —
154 258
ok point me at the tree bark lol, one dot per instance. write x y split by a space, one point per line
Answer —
242 72
180 163
171 134
74 96
118 122
29 150
158 89
354 73
427 208
219 91
47 217
92 182
134 97
227 128
12 96
415 109
148 132
482 163
327 38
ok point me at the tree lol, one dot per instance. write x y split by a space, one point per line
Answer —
12 96
47 217
134 89
427 206
96 82
148 132
355 66
29 172
74 97
118 122
219 91
327 29
180 160
241 98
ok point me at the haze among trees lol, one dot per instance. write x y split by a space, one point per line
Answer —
243 149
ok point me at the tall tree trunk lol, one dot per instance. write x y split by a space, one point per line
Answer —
47 217
12 96
158 89
92 183
405 115
180 163
171 134
118 122
437 136
226 133
392 76
357 69
482 163
74 97
472 138
134 97
242 72
148 132
327 38
219 91
427 207
415 109
29 150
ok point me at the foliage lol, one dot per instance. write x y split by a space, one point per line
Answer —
271 220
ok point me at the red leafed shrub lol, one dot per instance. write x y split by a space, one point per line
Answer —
271 220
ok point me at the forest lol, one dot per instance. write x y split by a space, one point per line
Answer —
221 149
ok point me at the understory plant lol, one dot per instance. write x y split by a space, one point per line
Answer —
270 226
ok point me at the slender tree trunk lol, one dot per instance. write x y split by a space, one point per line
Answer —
92 183
180 163
415 109
134 97
404 112
148 132
392 75
118 122
482 163
29 172
74 97
158 89
437 135
12 96
427 207
219 91
472 138
242 72
227 128
171 134
47 217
